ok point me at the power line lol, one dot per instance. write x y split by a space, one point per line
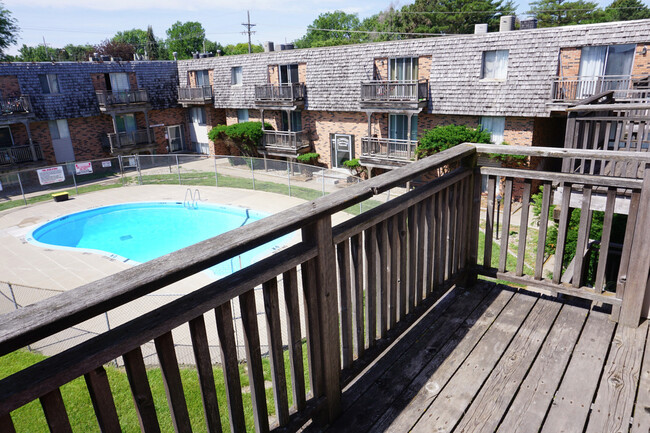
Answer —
248 26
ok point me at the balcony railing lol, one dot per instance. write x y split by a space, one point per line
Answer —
567 89
18 105
19 154
279 92
362 281
389 148
388 91
122 97
129 139
285 139
195 94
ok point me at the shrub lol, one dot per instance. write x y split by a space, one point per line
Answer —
512 160
308 158
246 136
444 137
356 168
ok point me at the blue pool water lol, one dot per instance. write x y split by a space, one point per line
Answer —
144 231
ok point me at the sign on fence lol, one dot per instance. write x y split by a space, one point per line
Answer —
83 167
106 164
50 175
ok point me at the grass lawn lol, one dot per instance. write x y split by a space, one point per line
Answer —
30 418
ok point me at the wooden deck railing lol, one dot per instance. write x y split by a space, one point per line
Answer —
388 148
17 105
285 139
19 154
577 88
107 99
381 266
414 90
128 139
194 94
280 92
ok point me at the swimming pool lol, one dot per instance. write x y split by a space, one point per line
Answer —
144 231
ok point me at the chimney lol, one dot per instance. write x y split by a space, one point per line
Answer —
268 46
507 23
530 23
480 29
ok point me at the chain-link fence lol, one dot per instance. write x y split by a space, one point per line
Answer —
308 182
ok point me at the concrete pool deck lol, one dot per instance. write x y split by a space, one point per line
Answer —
57 269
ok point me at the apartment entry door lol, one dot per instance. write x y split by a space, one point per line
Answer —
175 138
61 141
342 145
199 130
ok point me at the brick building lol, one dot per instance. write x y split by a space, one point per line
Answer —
368 101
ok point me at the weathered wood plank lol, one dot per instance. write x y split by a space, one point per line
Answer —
371 285
254 358
314 349
421 247
403 264
612 409
473 227
384 256
641 422
102 400
430 253
439 251
136 373
604 242
444 235
535 395
505 225
345 296
276 354
543 229
565 216
406 362
230 365
356 250
451 239
489 222
445 413
492 402
554 152
201 349
290 286
55 413
393 271
172 382
412 255
425 387
573 398
523 227
627 250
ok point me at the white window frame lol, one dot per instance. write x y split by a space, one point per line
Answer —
236 76
52 82
205 73
488 123
201 117
59 125
500 70
240 113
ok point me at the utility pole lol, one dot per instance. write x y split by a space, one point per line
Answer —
248 26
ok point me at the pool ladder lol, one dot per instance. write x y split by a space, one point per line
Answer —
194 198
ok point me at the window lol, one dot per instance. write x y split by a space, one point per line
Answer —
59 129
495 64
6 140
398 127
125 123
605 68
495 126
403 69
202 78
242 116
236 76
119 81
296 121
49 83
289 74
197 115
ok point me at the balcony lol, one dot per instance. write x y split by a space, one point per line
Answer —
285 143
15 110
399 333
573 89
279 96
188 96
124 143
123 99
386 152
394 95
19 154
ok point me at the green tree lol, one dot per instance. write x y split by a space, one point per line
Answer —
185 38
135 37
8 30
242 48
553 13
337 20
153 47
626 10
39 53
78 53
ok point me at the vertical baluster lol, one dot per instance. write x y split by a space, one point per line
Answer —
583 236
357 275
102 400
276 358
565 215
428 261
201 349
451 238
474 203
543 228
412 257
523 227
394 271
345 286
604 169
314 355
371 285
594 145
505 227
290 285
604 241
489 222
440 242
463 222
172 382
137 376
627 250
55 413
444 236
384 252
421 248
403 264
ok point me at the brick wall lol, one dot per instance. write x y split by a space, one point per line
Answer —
191 78
302 72
273 74
641 64
86 134
380 68
168 117
19 134
518 131
424 67
9 86
569 62
99 82
41 135
133 81
322 123
214 117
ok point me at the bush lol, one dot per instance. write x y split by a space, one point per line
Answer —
356 168
308 158
246 136
444 137
512 160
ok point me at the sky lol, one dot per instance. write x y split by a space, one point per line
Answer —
61 22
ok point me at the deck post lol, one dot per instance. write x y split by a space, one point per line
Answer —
324 280
474 203
636 279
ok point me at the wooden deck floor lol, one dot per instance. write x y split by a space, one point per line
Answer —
494 359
